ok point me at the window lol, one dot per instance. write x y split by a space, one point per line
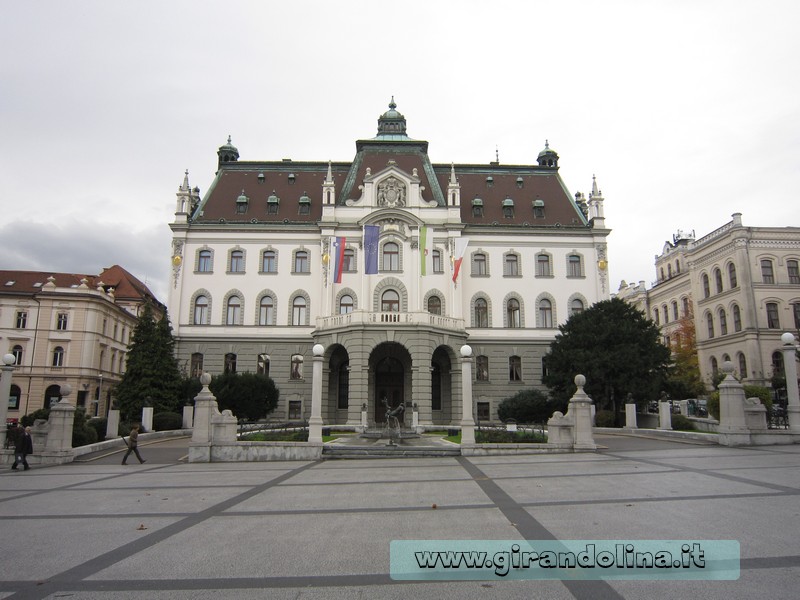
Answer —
482 368
343 389
299 311
391 257
477 207
345 304
538 209
514 368
17 352
723 322
714 366
262 365
61 321
685 302
295 410
390 301
666 313
545 313
576 306
305 205
732 275
706 286
508 208
200 310
58 356
656 318
22 319
767 274
234 311
269 262
204 263
237 261
297 367
435 305
512 265
479 264
14 394
266 311
349 260
669 271
230 363
481 313
513 313
793 270
675 315
710 323
196 368
301 261
574 267
737 318
273 202
777 364
796 313
742 366
483 411
773 322
437 261
543 265
718 280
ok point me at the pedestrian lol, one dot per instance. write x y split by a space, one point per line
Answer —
22 447
133 442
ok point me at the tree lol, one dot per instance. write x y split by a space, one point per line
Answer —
246 395
151 374
616 347
527 406
684 379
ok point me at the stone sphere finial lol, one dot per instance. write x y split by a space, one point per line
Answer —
9 359
787 339
205 378
318 350
466 351
580 380
727 367
65 390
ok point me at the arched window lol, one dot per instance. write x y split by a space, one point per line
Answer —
200 310
297 367
482 368
574 266
390 301
349 260
513 313
58 356
576 306
262 365
481 313
512 265
233 311
479 264
269 262
675 315
773 320
345 304
230 363
718 280
266 311
685 302
196 365
14 394
706 286
656 318
742 366
777 364
714 367
793 271
52 395
545 313
710 323
237 261
543 265
391 257
767 272
299 311
723 322
732 275
17 352
437 261
435 305
737 318
301 261
204 263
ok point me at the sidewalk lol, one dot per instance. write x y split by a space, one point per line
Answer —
169 529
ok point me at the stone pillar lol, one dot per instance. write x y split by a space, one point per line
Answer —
364 416
112 426
315 422
415 418
789 363
630 416
580 408
732 428
60 421
684 406
5 391
147 419
665 416
467 420
188 416
205 405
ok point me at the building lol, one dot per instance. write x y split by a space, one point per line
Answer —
365 258
66 328
740 285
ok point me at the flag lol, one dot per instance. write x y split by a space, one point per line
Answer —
371 233
338 258
425 254
461 248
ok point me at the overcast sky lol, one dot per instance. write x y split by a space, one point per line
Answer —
686 111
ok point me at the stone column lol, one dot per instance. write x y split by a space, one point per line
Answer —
60 422
112 426
630 416
790 365
205 405
5 391
732 428
664 416
315 422
467 420
188 416
580 407
147 419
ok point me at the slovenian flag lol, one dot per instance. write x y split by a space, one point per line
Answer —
371 233
461 248
338 258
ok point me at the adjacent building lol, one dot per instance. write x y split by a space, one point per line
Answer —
392 263
741 287
65 328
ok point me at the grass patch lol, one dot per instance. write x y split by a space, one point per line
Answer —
501 436
276 436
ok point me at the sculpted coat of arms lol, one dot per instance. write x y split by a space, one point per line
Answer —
391 193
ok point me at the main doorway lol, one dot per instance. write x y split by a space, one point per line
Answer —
389 388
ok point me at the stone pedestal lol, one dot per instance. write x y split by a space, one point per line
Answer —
60 421
580 409
188 417
755 415
665 416
112 426
147 419
732 429
559 431
630 416
315 422
205 406
684 407
223 428
467 419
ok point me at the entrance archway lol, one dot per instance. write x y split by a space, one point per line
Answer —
390 365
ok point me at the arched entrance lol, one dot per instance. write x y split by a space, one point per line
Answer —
391 370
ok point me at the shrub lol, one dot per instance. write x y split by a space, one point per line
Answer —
527 406
82 433
166 421
762 393
713 405
28 420
604 418
682 423
99 424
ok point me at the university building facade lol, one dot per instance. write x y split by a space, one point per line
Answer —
392 263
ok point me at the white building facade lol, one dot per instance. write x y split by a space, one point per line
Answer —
363 257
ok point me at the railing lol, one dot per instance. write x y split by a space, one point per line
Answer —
361 317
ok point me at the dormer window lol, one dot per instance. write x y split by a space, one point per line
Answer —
261 178
292 177
272 204
490 181
508 208
520 183
305 205
477 207
241 204
538 209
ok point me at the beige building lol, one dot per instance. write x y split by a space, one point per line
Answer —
742 286
66 328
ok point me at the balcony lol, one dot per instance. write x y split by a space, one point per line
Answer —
360 318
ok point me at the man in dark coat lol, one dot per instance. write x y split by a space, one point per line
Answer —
23 447
133 442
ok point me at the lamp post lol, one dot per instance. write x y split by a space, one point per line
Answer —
99 396
5 390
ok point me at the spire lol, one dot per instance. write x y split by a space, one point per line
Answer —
329 187
453 188
329 175
392 124
185 186
595 191
453 180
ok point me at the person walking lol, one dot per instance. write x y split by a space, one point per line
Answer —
133 443
22 447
